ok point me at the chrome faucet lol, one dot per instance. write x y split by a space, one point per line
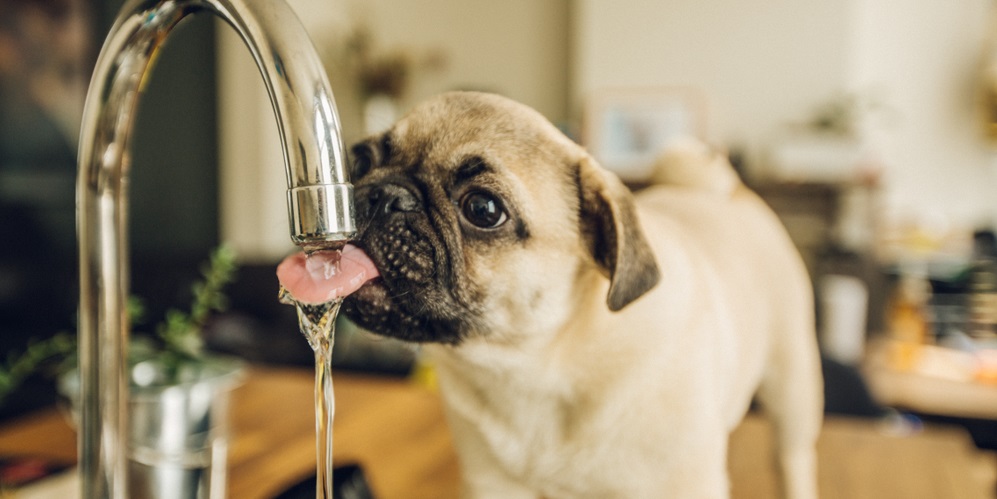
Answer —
319 196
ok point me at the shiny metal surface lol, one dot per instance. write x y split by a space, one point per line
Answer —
178 432
319 195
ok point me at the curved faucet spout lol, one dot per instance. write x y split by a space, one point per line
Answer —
320 205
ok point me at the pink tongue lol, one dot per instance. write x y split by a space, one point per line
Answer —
324 275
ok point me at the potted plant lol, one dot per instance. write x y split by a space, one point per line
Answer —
178 396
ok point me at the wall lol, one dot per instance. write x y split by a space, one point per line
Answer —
925 63
761 63
768 63
516 47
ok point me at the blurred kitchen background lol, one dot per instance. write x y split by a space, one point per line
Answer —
870 126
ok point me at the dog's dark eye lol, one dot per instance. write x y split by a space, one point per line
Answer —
482 210
361 161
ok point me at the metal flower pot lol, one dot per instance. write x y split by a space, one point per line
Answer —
178 431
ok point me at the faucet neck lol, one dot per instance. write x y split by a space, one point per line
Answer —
320 204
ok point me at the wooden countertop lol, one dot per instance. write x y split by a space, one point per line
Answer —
949 392
397 432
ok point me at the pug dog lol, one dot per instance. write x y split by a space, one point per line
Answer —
589 343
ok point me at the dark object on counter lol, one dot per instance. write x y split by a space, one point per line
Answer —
846 392
985 243
19 471
348 482
982 286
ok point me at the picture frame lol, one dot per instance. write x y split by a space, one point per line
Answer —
625 129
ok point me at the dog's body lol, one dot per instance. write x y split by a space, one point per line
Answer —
639 403
551 389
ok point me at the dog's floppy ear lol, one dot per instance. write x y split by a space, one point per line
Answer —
612 233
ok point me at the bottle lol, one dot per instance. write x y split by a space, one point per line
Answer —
982 287
908 320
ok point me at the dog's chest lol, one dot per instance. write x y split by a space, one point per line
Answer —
538 433
542 444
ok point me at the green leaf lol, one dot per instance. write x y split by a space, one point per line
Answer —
180 334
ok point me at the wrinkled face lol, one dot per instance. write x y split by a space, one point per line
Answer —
469 209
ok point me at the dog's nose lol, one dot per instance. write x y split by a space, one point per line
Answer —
391 198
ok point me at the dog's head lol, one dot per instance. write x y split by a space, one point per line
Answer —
483 219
